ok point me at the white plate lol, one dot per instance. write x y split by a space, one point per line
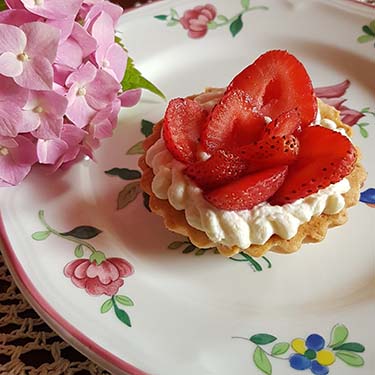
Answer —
187 308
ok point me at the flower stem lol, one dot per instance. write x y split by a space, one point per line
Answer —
69 238
230 20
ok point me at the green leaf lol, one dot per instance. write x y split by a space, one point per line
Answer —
221 17
41 236
124 173
351 359
372 26
83 232
175 245
106 306
245 4
339 334
128 194
252 261
173 23
200 252
212 25
351 347
280 348
365 110
137 149
122 315
146 127
364 132
261 361
365 38
236 26
124 300
78 251
133 80
174 13
262 339
161 17
98 257
146 201
366 29
189 249
119 41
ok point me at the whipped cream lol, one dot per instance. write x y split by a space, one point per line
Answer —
238 228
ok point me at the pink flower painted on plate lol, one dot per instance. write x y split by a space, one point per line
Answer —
98 279
196 20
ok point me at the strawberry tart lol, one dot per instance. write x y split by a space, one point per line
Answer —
261 165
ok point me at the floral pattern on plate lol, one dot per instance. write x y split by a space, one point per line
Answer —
97 275
200 19
368 33
310 353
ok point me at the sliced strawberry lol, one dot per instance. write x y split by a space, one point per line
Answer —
248 191
233 122
287 123
182 125
325 158
280 83
270 152
221 168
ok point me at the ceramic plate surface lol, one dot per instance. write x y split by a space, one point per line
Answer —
138 299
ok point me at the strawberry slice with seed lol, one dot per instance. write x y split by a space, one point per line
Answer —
279 83
287 123
246 192
325 157
270 152
182 126
233 122
221 168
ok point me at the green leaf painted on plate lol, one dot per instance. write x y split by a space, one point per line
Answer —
106 306
339 334
41 236
137 149
174 13
200 252
245 4
222 18
161 17
351 347
128 194
146 201
175 245
367 30
133 79
364 132
280 348
236 26
125 173
173 22
124 300
78 251
350 358
212 25
261 361
98 257
189 249
122 315
365 38
146 127
262 339
83 232
372 26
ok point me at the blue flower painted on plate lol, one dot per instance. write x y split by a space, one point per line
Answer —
368 197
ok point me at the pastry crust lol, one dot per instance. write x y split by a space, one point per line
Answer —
313 231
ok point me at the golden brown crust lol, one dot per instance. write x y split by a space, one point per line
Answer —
313 231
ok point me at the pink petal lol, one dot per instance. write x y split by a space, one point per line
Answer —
17 17
50 101
81 269
55 9
72 135
69 54
102 90
113 10
14 4
103 31
79 112
71 266
350 116
25 153
10 66
117 59
79 283
12 173
124 267
84 39
50 126
42 40
334 91
50 151
10 118
9 90
334 102
37 74
61 73
130 98
30 121
64 25
83 75
106 272
12 39
95 287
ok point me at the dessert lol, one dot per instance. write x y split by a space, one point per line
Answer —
261 165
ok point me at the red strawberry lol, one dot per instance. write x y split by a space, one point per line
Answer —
287 123
222 167
181 128
325 158
270 152
233 122
280 83
248 191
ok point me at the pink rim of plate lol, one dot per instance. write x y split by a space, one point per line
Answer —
363 3
57 322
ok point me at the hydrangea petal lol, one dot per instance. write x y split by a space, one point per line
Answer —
37 74
130 98
87 43
12 173
69 54
17 17
25 153
10 91
50 126
117 59
55 9
299 346
30 121
83 75
103 31
10 118
325 357
14 4
12 39
79 112
113 10
49 151
64 25
10 66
